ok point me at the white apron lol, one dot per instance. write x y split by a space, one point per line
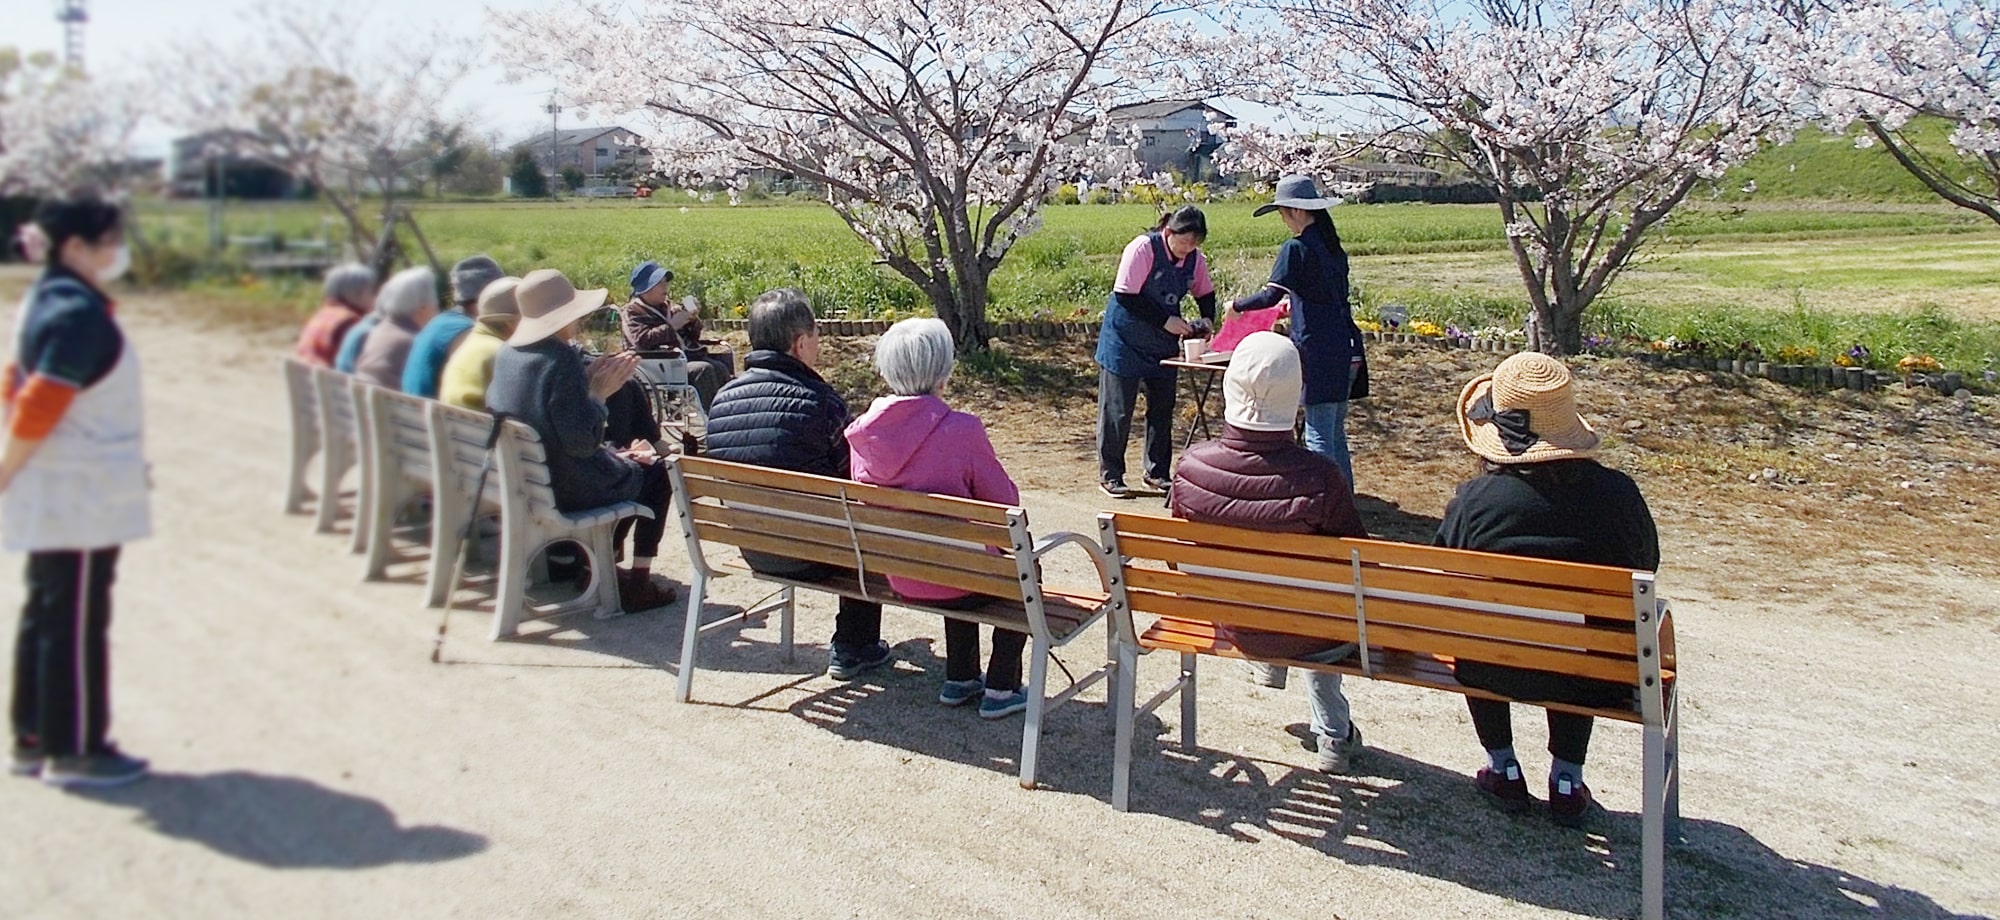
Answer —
86 488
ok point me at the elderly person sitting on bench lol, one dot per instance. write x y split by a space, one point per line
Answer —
1539 493
913 441
1258 477
407 302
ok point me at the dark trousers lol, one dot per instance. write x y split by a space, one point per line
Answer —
62 673
961 648
1116 398
655 490
857 625
707 375
1569 734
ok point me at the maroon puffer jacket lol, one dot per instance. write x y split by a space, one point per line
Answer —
1265 481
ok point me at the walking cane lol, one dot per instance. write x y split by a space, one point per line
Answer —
465 535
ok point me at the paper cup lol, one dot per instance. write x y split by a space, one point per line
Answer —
1191 349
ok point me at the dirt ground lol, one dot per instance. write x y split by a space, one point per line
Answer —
1834 615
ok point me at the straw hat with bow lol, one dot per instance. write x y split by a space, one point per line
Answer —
548 304
1524 412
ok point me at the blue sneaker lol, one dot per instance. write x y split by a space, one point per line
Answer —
961 692
990 708
846 664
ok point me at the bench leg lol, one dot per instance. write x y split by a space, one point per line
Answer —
510 594
1031 733
333 465
691 634
603 554
1124 702
1187 701
1653 826
364 509
1674 775
448 514
303 450
785 624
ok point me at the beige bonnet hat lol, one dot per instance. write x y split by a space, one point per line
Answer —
1524 412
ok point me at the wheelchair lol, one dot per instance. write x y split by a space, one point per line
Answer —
663 375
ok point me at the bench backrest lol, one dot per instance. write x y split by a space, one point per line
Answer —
1583 620
458 448
957 542
339 420
523 470
399 433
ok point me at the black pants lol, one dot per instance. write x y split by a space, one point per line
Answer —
62 674
857 625
1569 734
1116 398
655 490
961 648
707 375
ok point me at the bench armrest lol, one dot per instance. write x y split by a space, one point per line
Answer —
1098 559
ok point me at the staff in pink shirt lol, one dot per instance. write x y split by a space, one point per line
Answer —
1142 327
913 441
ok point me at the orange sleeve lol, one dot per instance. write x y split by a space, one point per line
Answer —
38 407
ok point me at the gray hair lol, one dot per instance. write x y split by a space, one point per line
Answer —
349 284
407 293
470 277
778 319
915 356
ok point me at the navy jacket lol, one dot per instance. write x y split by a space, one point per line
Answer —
543 385
781 414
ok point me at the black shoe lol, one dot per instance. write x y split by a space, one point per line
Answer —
108 767
1114 488
848 664
565 570
1161 486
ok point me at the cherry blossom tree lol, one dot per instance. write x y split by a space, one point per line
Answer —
315 93
1590 119
1884 63
57 127
936 127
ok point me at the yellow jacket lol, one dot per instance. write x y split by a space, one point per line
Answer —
470 369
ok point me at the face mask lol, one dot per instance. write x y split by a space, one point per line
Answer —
120 264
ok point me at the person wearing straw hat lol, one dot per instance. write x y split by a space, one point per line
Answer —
1540 493
1257 476
539 379
470 368
1311 271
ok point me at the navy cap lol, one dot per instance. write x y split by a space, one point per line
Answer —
649 275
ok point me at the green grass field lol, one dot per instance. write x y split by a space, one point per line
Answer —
1859 269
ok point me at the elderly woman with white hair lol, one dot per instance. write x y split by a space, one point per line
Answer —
349 295
407 301
912 440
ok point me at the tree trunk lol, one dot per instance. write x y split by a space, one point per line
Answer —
970 330
1561 325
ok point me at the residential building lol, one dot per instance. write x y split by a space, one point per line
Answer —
1174 135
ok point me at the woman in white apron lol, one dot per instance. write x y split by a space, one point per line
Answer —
73 489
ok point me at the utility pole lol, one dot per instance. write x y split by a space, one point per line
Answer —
72 16
555 168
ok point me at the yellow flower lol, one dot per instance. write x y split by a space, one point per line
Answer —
1425 327
1368 325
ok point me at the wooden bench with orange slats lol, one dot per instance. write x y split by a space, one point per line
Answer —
870 532
1411 610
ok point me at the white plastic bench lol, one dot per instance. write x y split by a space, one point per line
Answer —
340 442
397 437
518 488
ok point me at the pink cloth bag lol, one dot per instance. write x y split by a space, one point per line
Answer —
1238 329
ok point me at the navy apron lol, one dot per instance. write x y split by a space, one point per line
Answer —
1132 347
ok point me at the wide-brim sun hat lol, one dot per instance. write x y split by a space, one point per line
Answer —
548 304
648 276
1525 412
497 301
1262 387
1297 192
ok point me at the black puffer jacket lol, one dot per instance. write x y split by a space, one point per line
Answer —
1263 480
781 414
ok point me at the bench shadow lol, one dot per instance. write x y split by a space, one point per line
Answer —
282 822
1387 520
1408 815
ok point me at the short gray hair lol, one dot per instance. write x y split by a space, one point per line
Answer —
915 356
350 284
407 293
778 319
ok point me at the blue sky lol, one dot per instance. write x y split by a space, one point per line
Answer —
124 34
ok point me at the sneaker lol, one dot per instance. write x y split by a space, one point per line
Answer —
28 759
1114 488
1338 756
1159 485
1506 789
990 708
638 591
1570 803
106 768
961 692
843 664
1265 674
